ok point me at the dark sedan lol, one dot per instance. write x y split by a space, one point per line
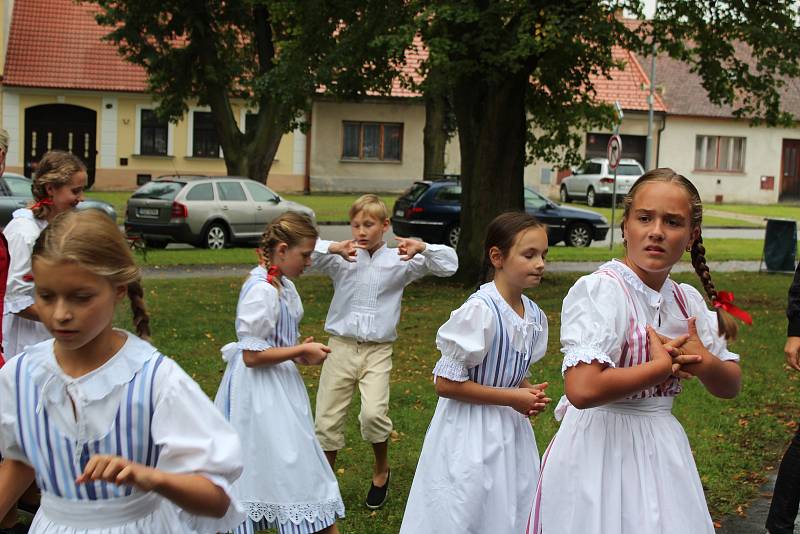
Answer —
431 210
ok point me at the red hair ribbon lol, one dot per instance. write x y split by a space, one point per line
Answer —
27 277
42 203
724 300
272 272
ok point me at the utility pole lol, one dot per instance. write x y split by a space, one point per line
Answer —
648 152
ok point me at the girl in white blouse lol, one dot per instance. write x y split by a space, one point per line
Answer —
119 438
479 464
287 482
620 462
57 187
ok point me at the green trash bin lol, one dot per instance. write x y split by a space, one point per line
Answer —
780 245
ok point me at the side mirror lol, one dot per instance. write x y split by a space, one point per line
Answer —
276 199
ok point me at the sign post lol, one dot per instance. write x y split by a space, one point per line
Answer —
614 153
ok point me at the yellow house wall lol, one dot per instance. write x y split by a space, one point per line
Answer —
330 173
123 177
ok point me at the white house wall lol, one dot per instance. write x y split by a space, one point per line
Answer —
762 157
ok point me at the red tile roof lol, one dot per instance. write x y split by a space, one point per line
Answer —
629 85
58 44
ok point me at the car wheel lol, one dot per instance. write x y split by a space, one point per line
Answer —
563 195
579 235
154 243
453 234
591 198
216 237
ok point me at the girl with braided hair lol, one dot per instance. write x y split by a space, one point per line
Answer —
118 437
287 483
57 187
620 462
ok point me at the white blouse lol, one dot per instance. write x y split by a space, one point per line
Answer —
465 339
595 316
368 291
192 434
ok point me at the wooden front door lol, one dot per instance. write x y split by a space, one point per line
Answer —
60 127
790 170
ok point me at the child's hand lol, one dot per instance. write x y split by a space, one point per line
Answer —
527 401
693 351
346 249
119 471
315 353
408 248
658 353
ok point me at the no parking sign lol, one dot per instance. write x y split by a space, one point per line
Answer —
614 151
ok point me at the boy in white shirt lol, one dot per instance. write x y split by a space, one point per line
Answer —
368 281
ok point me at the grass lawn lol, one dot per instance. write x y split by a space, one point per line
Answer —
733 441
783 211
716 250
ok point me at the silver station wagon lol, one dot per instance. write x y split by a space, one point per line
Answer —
204 211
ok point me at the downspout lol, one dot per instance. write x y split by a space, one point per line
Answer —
658 143
307 176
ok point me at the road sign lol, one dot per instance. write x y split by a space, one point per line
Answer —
614 151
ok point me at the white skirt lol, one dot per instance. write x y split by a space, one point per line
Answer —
477 472
622 468
139 513
286 476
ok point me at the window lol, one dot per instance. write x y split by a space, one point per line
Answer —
449 194
717 153
593 168
250 122
231 191
18 187
205 142
159 190
372 141
629 170
259 193
200 192
153 134
532 200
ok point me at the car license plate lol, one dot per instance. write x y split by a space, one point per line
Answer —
398 213
147 212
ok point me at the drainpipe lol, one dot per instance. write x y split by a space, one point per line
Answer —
658 144
307 176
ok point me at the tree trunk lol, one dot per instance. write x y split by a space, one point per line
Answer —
435 135
492 130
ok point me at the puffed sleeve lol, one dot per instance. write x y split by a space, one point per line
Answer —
256 315
438 260
324 262
540 347
707 325
594 319
195 438
9 444
19 285
464 340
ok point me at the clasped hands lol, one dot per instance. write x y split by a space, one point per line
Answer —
686 350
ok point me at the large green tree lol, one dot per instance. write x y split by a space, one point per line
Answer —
272 54
521 74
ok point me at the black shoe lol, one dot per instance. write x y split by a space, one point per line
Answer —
19 528
377 495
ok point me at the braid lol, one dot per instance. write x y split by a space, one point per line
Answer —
727 326
268 240
141 319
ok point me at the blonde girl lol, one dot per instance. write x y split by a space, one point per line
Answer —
287 482
118 437
57 187
621 463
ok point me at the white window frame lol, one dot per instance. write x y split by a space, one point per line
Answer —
703 156
137 148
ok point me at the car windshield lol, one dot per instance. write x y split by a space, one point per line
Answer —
534 200
20 187
160 190
629 170
415 191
